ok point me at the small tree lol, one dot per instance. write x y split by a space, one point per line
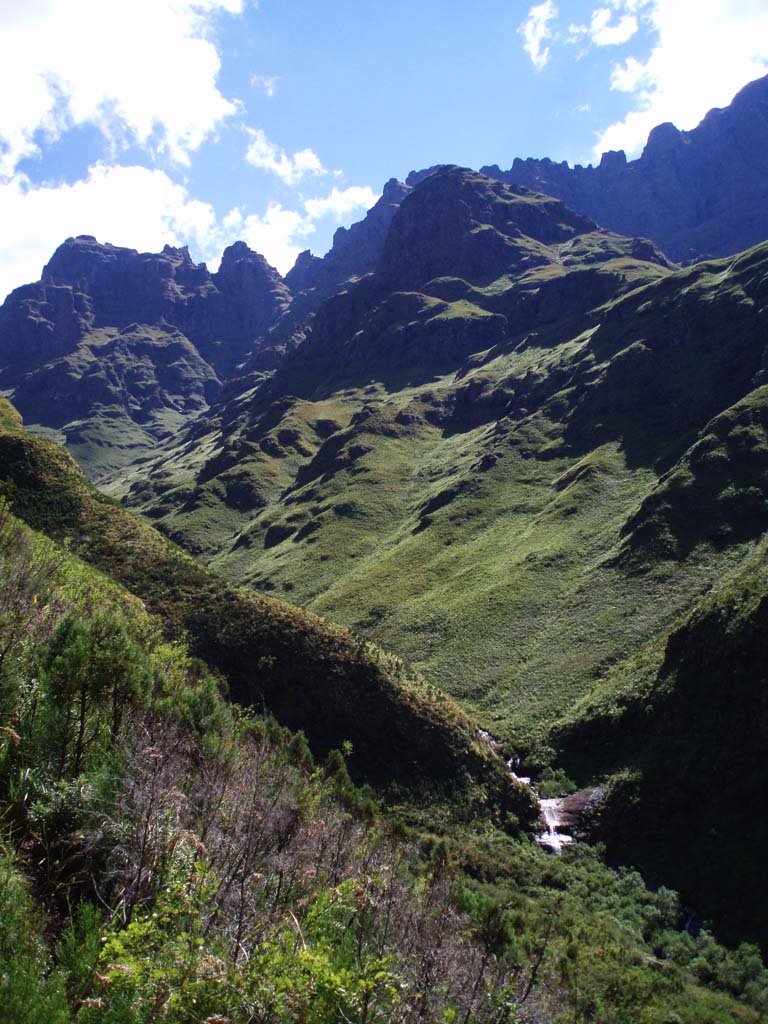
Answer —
91 673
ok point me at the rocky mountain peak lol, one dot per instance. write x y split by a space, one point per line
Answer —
394 191
662 141
416 177
78 260
88 286
614 160
241 252
178 253
303 272
697 194
241 266
251 295
460 223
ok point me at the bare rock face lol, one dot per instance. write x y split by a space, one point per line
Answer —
148 339
453 233
697 194
142 342
355 253
250 296
87 285
117 349
466 225
356 250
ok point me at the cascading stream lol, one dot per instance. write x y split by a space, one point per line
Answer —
556 812
552 815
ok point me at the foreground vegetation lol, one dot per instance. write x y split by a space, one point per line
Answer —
165 856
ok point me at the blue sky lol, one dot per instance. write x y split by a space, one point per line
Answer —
204 121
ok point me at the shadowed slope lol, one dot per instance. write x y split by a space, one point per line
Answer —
311 674
684 723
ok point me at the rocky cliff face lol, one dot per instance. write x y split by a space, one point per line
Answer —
467 226
116 349
88 285
355 252
697 194
467 262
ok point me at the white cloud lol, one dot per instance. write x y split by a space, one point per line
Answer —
145 209
536 30
281 234
601 30
142 70
703 55
130 206
341 202
267 156
630 76
630 6
266 82
277 234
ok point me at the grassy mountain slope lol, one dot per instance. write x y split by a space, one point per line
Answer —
461 471
521 454
683 725
164 855
533 475
309 673
118 393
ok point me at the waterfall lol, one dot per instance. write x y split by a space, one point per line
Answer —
554 840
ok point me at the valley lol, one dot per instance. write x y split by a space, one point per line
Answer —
488 468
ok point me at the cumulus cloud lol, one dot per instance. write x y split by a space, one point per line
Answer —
630 6
268 156
341 202
536 30
143 71
145 209
131 206
703 55
603 31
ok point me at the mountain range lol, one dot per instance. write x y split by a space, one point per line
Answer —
498 430
698 194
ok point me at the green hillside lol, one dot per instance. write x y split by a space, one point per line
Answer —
489 516
118 393
522 479
309 673
165 856
682 725
522 454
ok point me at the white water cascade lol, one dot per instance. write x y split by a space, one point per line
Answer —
551 812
